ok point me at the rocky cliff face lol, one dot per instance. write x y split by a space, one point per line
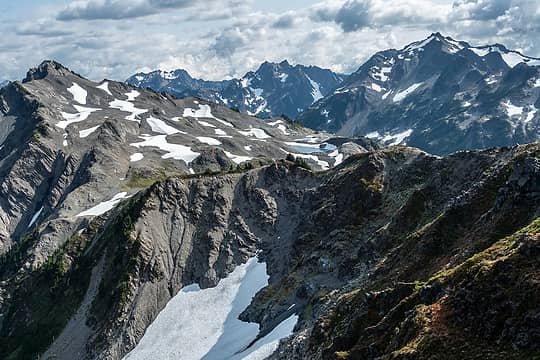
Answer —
438 94
392 253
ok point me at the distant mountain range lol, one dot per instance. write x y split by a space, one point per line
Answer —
275 89
438 94
3 83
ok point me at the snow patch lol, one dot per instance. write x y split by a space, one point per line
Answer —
373 135
398 138
186 330
132 95
511 109
35 217
87 132
403 94
266 346
105 206
159 126
128 107
79 94
237 159
82 114
206 124
208 140
173 151
381 72
105 87
136 157
316 92
376 87
254 132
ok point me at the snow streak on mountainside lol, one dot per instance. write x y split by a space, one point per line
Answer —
446 94
273 90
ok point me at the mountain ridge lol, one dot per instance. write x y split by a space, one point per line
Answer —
274 89
438 94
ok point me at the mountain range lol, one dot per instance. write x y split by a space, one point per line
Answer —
137 225
275 89
438 94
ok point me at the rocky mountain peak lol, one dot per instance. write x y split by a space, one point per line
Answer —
273 89
46 68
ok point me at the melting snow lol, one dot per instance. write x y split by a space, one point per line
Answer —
386 95
79 94
283 77
397 138
204 111
87 132
316 92
159 126
204 123
208 140
531 113
322 164
380 73
403 94
337 156
136 157
105 206
537 83
266 346
132 95
376 87
237 159
35 217
254 132
512 110
174 151
373 135
186 330
105 87
510 58
82 114
127 106
248 147
221 133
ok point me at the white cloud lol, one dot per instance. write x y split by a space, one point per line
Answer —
225 38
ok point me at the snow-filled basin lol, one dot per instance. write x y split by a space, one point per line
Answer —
203 323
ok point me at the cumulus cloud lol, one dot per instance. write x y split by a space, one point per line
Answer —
480 9
354 15
224 38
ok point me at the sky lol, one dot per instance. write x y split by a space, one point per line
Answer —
218 39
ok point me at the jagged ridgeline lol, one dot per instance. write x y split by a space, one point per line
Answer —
71 151
438 94
390 254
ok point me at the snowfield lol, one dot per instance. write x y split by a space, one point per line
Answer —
82 114
79 94
87 132
105 206
403 94
254 132
174 151
128 107
208 140
205 112
105 87
203 323
160 127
